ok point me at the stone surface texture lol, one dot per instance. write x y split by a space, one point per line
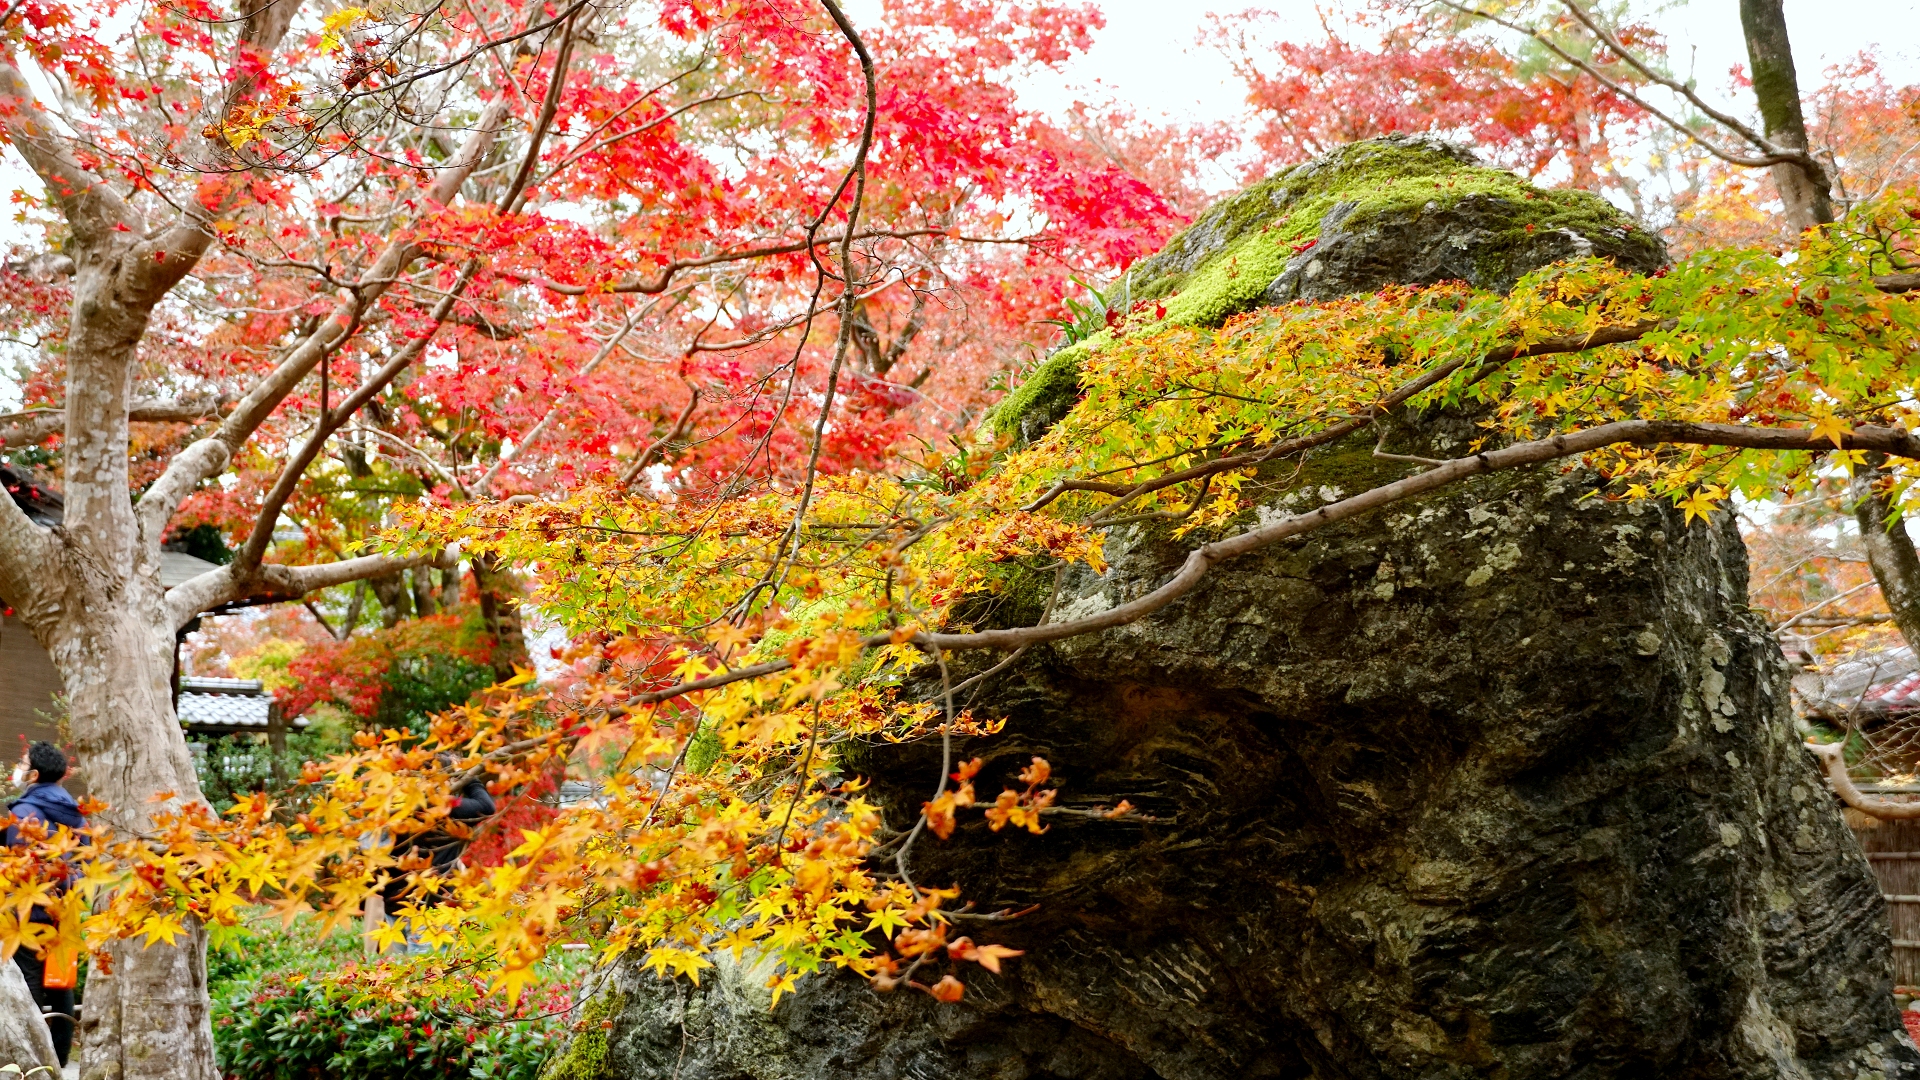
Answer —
1502 783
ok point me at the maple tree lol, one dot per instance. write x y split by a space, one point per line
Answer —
1389 68
698 480
303 267
741 658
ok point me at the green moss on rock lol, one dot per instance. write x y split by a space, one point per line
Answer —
1015 595
1047 395
586 1055
1213 270
1400 209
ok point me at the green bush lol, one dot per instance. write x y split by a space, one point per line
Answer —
242 955
276 1018
288 1026
230 767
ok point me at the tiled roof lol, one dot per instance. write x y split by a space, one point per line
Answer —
205 684
1877 682
178 566
225 710
237 704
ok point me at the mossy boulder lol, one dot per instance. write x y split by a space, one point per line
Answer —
1399 209
1501 782
585 1057
1498 783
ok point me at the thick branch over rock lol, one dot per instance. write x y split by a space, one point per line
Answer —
1893 442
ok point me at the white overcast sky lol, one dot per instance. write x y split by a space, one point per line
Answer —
1149 55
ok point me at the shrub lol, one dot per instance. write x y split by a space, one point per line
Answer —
292 1026
242 955
396 677
231 766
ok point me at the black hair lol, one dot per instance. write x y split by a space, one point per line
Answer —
47 760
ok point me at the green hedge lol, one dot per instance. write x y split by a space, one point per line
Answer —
290 1027
276 1018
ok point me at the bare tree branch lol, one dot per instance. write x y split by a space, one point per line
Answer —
30 567
1833 759
208 457
33 425
223 585
511 199
1605 335
674 434
485 483
665 277
255 547
451 179
1769 153
90 207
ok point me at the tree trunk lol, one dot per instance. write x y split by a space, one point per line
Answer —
395 602
147 1018
499 592
422 579
1777 87
104 621
150 1020
1890 552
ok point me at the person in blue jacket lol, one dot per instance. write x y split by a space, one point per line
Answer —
47 802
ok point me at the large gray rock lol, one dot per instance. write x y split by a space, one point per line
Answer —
1500 783
24 1038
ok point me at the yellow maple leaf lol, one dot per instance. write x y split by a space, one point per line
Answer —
1832 427
781 984
680 961
1702 502
513 981
162 928
333 28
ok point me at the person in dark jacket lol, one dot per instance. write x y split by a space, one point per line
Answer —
47 802
473 804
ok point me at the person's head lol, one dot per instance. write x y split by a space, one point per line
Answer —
45 764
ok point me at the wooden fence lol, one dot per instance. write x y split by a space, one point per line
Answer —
1893 850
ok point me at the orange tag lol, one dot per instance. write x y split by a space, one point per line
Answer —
62 968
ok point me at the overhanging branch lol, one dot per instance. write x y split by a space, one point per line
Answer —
223 585
35 425
1894 442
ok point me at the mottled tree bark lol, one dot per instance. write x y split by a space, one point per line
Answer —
1890 552
396 603
424 602
499 593
1777 87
